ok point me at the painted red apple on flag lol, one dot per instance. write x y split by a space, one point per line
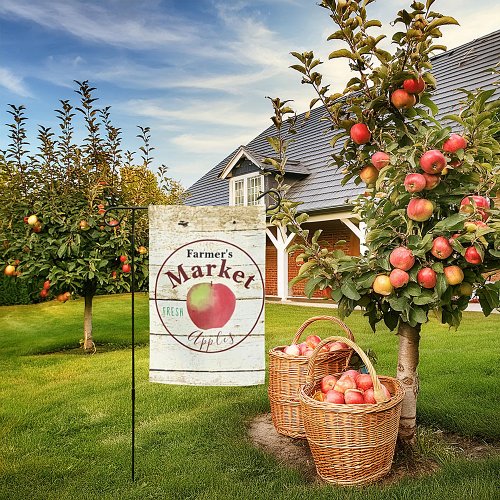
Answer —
210 305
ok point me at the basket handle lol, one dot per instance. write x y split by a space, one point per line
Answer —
333 319
377 387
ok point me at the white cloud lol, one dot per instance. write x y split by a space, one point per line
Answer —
13 83
95 22
216 143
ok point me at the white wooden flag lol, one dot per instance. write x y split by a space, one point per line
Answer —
206 286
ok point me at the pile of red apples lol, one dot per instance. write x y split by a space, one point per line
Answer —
307 347
352 388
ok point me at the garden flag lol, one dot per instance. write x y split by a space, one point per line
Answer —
206 285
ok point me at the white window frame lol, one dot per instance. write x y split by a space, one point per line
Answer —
245 178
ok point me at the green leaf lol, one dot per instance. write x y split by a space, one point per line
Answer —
441 21
373 22
342 53
336 294
426 101
418 315
398 303
299 68
311 286
349 290
425 298
451 223
441 285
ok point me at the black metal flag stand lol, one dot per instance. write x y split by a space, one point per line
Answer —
132 253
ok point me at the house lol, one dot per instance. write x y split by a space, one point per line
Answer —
240 178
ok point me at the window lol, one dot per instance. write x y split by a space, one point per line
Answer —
244 190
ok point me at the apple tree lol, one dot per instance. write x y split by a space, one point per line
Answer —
51 219
429 206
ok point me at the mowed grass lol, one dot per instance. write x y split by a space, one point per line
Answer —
65 417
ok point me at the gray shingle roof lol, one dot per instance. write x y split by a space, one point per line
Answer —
463 67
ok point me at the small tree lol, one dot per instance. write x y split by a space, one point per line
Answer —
432 224
52 224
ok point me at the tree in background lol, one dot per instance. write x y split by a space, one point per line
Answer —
52 228
432 223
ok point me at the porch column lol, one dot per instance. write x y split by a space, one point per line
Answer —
359 231
281 242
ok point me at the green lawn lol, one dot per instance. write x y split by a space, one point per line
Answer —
65 417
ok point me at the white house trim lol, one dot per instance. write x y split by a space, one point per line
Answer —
281 242
235 159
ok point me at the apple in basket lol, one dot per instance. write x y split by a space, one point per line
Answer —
334 397
302 348
369 396
354 397
292 350
312 341
344 384
338 346
328 383
351 373
364 381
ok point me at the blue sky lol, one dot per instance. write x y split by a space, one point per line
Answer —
195 71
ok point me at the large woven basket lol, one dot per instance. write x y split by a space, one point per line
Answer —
351 444
288 373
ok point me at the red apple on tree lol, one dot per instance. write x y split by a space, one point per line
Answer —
401 99
46 285
380 160
453 275
9 270
123 258
427 277
414 85
399 278
420 209
32 220
473 256
43 293
360 133
441 248
431 181
126 268
210 305
454 143
432 161
402 258
414 183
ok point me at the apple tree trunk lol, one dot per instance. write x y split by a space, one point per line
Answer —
88 343
409 338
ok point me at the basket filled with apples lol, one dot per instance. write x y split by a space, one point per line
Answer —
351 420
288 369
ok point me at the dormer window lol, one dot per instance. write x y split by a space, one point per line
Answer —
244 189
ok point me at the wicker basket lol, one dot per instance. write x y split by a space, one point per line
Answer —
351 444
288 373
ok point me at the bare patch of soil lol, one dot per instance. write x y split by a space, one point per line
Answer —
295 453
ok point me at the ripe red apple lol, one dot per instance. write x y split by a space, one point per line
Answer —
354 374
380 160
67 296
308 352
32 220
369 397
210 305
402 258
46 285
338 346
368 174
414 183
432 161
113 274
335 397
431 181
25 219
328 383
123 258
453 274
43 293
399 278
441 248
364 381
327 292
414 86
354 397
401 99
312 341
302 348
9 270
360 133
472 256
126 268
113 223
427 277
37 227
291 350
454 143
480 201
382 285
484 215
345 383
420 209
